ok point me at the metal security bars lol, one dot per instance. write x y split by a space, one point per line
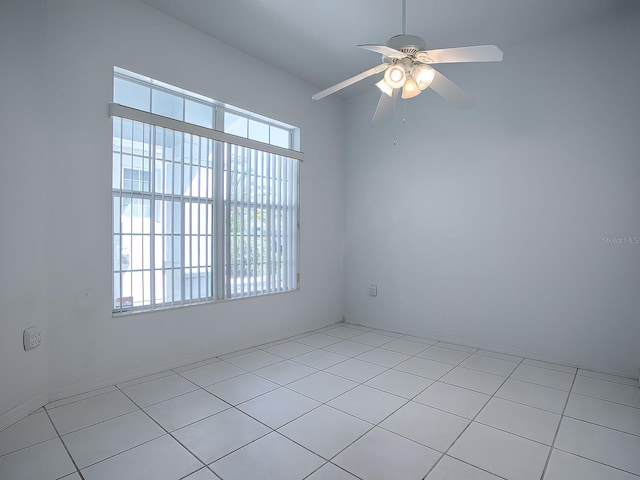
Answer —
196 219
163 203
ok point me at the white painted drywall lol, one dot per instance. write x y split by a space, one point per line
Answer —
488 226
23 201
64 235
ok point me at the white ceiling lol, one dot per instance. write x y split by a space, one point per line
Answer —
316 40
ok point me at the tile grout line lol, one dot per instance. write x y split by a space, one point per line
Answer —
564 415
198 387
96 423
373 347
539 362
315 349
347 413
28 446
470 423
272 430
116 454
387 369
515 434
142 409
254 372
144 379
167 432
80 399
358 384
198 471
555 436
117 388
32 444
326 403
406 401
262 394
602 426
540 384
607 380
356 358
401 336
182 395
393 412
73 460
337 466
605 400
598 462
527 405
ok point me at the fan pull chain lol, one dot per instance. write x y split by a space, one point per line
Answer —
395 111
395 123
404 111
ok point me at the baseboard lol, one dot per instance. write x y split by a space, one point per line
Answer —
121 377
124 376
18 413
620 371
21 411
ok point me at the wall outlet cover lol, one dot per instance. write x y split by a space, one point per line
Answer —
31 338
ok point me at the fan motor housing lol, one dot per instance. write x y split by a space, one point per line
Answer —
408 44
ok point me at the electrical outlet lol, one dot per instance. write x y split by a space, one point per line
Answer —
31 338
373 290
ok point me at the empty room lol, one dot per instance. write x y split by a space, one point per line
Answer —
339 240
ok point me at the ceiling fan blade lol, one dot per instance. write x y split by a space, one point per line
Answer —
450 91
350 81
477 53
384 110
384 50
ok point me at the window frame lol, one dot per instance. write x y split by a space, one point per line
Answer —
220 205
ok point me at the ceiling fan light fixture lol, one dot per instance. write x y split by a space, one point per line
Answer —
395 76
406 64
384 87
423 75
410 89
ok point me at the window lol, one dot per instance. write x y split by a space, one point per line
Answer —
199 214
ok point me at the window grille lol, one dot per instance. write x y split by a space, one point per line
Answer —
199 214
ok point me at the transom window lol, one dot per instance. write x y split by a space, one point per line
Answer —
199 214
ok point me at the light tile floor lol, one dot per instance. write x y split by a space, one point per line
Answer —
343 402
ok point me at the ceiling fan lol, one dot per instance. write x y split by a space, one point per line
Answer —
406 64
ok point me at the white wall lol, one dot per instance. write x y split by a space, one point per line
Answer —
70 285
23 186
489 233
486 226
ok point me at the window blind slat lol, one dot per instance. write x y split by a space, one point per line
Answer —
254 191
243 205
227 234
269 254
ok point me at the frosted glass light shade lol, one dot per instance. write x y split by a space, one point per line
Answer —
410 89
395 76
423 75
384 88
